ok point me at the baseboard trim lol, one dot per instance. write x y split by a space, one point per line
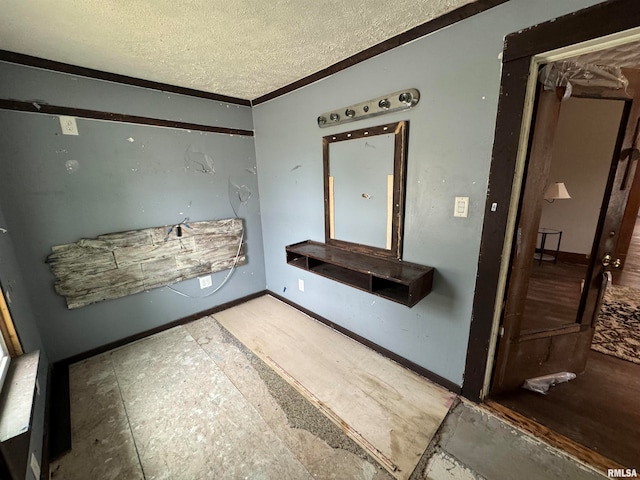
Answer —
58 407
570 257
147 333
57 415
45 460
428 374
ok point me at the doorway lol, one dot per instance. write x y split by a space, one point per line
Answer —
585 150
596 28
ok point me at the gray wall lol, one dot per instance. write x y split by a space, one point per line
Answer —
13 286
120 185
457 71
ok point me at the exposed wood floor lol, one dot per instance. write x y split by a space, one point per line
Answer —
190 403
553 295
599 409
388 410
194 403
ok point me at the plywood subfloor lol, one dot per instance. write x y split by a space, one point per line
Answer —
389 410
188 404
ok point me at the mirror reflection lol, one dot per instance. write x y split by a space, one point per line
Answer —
364 188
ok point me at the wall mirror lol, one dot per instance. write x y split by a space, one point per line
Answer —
364 185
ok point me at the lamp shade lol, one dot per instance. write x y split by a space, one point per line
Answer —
556 191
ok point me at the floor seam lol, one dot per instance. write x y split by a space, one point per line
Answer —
126 413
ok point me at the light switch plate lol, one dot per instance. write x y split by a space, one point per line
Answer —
68 125
461 207
35 466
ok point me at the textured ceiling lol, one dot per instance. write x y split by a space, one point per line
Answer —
241 48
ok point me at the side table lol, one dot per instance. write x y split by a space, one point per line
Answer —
544 233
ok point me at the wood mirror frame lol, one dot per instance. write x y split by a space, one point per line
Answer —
396 208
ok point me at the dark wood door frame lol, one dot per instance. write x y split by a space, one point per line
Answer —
633 202
604 19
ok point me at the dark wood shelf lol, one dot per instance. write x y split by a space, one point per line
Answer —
398 281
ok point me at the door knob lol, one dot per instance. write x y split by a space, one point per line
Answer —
608 260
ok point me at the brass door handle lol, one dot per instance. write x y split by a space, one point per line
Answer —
608 260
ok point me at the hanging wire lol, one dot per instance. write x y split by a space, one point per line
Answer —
178 228
233 267
235 262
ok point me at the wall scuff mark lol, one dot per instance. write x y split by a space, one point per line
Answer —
120 264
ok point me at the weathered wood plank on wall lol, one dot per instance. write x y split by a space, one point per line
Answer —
119 264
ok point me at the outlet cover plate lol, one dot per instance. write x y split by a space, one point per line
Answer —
68 125
205 282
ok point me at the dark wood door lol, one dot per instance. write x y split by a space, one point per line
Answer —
526 354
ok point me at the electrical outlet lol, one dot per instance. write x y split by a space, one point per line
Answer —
35 465
68 125
205 282
301 285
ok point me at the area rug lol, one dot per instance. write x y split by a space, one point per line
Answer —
618 327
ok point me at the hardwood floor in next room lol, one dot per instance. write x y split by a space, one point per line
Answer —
600 408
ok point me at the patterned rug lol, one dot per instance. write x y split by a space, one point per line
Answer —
618 327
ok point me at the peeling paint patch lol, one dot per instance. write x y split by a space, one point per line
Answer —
71 166
239 195
198 161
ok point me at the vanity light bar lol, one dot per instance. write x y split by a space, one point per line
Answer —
394 102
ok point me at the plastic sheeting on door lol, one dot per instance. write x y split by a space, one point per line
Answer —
568 73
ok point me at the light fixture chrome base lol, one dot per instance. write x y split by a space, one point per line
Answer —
393 102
